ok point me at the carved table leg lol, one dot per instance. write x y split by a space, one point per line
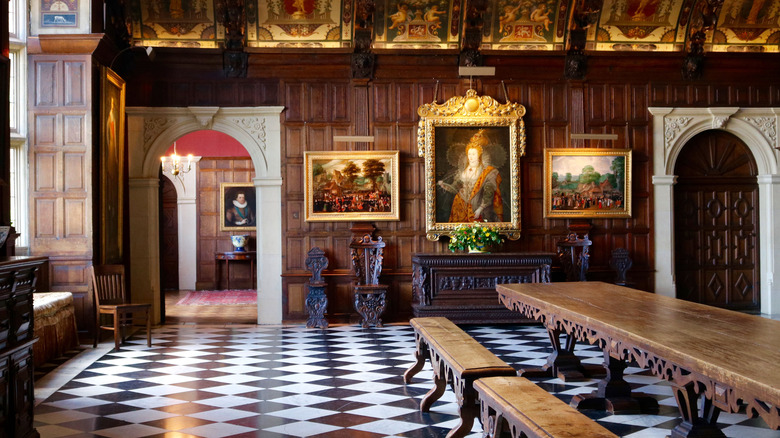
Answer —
694 425
420 354
614 393
316 305
563 363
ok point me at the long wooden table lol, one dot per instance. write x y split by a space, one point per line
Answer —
730 358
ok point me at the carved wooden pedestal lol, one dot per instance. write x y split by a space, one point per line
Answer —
316 300
370 302
462 287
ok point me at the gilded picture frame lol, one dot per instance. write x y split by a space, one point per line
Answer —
351 186
237 207
112 166
483 188
587 183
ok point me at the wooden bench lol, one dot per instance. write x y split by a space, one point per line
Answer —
517 405
457 359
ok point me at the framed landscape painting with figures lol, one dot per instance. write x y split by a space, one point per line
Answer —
472 145
237 207
587 183
351 186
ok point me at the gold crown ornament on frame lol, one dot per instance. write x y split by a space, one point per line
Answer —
471 145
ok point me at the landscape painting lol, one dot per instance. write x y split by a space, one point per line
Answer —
351 186
587 183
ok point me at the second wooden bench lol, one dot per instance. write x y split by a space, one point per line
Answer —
519 406
457 359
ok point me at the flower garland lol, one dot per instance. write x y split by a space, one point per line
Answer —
473 236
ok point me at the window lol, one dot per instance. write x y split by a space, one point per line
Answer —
17 101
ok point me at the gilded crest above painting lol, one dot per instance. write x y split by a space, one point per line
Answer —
618 25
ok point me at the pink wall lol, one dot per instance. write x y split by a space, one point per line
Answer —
208 143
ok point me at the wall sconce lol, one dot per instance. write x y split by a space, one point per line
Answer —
173 165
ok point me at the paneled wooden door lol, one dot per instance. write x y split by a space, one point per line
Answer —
716 222
169 236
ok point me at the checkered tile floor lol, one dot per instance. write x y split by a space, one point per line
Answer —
259 381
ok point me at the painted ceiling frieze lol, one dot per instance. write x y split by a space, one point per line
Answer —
300 23
748 26
506 25
526 25
417 23
175 23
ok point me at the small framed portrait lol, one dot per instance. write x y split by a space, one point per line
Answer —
587 183
351 186
472 145
238 207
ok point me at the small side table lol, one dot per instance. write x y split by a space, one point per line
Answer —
229 256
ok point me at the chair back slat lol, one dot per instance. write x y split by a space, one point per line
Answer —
108 282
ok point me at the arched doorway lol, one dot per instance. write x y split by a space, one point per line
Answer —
150 131
716 222
758 128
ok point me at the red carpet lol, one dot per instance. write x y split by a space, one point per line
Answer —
219 298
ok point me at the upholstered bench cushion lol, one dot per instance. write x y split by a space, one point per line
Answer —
55 325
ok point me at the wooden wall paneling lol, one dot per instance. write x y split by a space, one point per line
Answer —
638 103
296 254
403 250
293 102
384 137
341 98
68 274
383 104
699 95
295 182
679 95
296 298
557 136
295 214
319 138
618 103
294 140
597 105
340 258
317 97
741 95
406 103
534 108
721 95
659 94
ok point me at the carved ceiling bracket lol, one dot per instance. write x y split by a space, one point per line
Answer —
363 60
702 21
232 15
472 34
584 14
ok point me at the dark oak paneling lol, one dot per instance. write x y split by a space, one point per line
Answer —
320 101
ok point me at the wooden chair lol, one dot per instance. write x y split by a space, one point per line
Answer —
108 292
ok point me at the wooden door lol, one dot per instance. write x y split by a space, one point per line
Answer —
716 222
169 237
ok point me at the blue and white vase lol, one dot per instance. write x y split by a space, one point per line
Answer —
239 241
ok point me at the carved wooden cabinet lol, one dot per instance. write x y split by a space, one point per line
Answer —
462 287
18 278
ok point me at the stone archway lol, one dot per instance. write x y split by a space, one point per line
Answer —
757 127
150 131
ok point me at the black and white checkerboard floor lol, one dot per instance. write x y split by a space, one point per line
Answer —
260 381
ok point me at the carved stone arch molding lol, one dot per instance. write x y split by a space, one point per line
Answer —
758 128
150 131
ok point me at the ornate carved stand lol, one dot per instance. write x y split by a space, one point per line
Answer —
575 266
621 263
316 300
370 296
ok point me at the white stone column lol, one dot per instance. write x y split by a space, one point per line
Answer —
769 196
186 185
663 190
269 250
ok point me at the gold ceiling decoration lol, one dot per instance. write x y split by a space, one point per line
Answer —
512 25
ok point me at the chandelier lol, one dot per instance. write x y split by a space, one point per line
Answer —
174 164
